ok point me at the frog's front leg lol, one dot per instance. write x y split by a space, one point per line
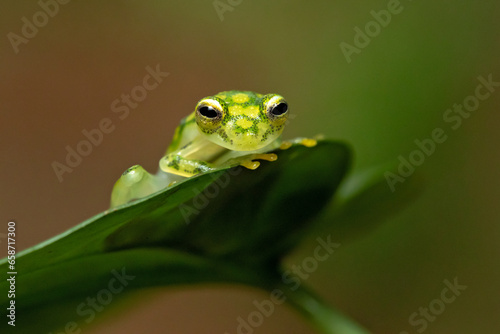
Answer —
248 159
175 164
135 183
194 158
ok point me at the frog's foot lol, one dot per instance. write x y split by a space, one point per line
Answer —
135 183
308 142
248 161
286 145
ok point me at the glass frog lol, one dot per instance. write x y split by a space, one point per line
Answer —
227 129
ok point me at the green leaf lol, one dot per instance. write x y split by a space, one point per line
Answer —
322 317
233 225
262 214
40 294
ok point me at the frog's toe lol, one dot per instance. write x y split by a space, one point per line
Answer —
308 142
286 145
249 164
265 156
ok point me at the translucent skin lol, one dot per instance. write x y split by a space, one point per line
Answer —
242 124
227 129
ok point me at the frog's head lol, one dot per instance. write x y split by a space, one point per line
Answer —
242 121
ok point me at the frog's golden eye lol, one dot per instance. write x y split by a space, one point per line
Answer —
277 110
209 113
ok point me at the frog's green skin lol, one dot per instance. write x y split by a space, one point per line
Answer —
228 128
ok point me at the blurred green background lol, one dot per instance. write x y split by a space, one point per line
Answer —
394 91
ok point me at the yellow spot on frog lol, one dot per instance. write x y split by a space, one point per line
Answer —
244 123
250 111
240 98
236 110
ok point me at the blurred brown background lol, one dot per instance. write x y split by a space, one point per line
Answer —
396 89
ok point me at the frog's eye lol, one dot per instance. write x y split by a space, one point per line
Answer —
209 113
277 109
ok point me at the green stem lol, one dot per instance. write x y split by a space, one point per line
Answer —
318 313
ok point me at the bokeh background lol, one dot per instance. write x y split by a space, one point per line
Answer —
396 90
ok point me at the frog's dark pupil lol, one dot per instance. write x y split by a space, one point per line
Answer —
208 112
280 109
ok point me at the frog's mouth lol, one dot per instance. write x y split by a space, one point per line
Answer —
242 134
238 141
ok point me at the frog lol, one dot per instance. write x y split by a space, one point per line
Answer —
227 129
